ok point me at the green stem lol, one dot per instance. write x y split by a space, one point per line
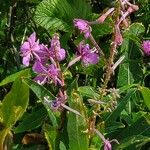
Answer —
3 135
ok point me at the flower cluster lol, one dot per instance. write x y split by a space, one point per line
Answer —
146 47
84 52
41 55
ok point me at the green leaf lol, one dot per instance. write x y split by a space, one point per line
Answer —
59 14
131 70
31 121
116 113
134 29
99 30
133 142
114 126
13 107
38 89
13 77
62 146
146 95
88 91
41 92
50 135
139 127
78 140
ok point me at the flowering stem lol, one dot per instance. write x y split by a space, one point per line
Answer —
108 73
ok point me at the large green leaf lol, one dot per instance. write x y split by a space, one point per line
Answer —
59 14
41 92
78 140
13 77
13 107
28 123
141 127
131 70
146 95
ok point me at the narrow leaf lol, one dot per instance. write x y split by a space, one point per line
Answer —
77 124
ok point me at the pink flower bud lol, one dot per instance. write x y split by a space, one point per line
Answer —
102 18
118 36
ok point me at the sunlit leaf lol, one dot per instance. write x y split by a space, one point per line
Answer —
59 14
146 95
13 77
13 107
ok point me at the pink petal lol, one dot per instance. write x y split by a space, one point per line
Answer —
87 34
36 47
41 79
38 67
26 60
107 145
25 47
90 58
61 54
32 38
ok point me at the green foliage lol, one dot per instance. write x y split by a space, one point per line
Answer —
41 92
50 135
146 95
56 15
116 113
137 133
77 124
13 107
28 123
88 91
125 118
14 76
131 70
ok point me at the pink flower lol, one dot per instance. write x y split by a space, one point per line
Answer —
29 49
59 103
83 26
88 56
46 74
146 47
55 51
107 145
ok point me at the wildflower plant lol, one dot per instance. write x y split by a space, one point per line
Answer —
86 87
